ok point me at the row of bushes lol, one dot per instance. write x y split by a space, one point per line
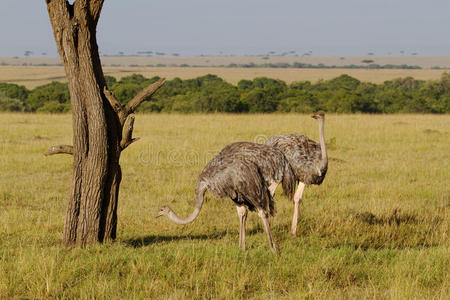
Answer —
210 93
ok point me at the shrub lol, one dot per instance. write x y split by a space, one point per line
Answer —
54 107
55 91
14 91
9 104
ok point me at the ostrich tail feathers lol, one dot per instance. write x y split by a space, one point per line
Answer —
288 182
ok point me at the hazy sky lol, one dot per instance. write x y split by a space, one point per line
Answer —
194 27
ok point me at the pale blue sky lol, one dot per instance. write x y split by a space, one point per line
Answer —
194 27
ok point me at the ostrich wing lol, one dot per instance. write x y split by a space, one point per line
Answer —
271 162
227 176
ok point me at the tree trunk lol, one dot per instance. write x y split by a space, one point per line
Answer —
99 122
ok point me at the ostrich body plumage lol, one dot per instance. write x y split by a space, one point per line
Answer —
303 154
241 180
273 164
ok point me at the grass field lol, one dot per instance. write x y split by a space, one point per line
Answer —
376 228
32 76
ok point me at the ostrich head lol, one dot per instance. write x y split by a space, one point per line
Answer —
164 211
318 115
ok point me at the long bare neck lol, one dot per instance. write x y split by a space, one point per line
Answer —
323 146
176 219
198 207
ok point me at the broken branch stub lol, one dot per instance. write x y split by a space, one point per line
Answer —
59 149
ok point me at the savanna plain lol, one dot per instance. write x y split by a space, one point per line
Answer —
34 71
377 227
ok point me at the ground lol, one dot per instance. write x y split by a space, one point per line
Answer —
376 228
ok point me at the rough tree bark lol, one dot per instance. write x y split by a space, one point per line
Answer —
102 127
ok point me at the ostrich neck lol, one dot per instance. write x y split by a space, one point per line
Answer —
198 207
323 147
176 219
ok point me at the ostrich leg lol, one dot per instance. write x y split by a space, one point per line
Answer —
242 213
265 220
273 187
297 200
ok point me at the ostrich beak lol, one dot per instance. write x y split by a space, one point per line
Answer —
160 213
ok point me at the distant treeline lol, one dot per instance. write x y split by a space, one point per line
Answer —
299 65
368 64
210 93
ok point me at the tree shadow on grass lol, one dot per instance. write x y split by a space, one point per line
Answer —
156 239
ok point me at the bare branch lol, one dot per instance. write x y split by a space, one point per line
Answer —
95 7
87 10
113 100
128 143
142 95
127 132
59 149
58 8
115 104
58 12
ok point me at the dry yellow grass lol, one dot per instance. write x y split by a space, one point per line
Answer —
32 76
377 228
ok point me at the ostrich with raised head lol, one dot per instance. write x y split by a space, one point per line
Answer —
308 160
241 180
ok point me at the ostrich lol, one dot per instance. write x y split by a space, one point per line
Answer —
307 158
274 166
237 178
